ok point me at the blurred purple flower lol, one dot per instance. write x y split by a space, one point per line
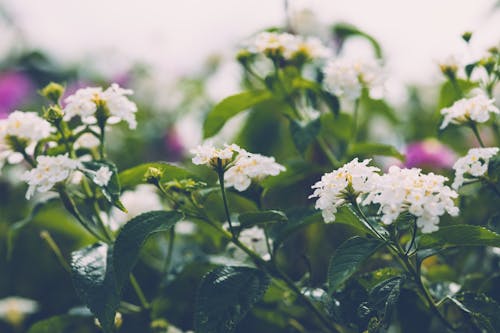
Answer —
15 88
173 145
429 153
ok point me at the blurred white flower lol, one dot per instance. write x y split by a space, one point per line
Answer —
347 77
476 109
273 42
335 188
49 171
141 200
475 164
27 128
309 48
409 190
14 309
255 239
84 103
248 167
86 140
102 176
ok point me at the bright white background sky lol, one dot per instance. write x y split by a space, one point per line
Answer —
178 35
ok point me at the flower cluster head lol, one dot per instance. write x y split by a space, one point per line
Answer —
49 171
289 47
476 109
347 77
342 185
475 164
240 167
400 190
425 196
93 103
21 131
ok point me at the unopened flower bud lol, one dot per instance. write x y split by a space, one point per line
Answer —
244 57
153 175
53 114
466 36
53 92
118 321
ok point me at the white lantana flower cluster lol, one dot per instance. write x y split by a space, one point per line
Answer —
14 309
400 190
26 127
347 77
425 196
85 101
241 167
49 171
334 188
290 46
476 109
103 176
475 164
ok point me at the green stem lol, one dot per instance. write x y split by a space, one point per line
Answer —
324 147
473 126
140 294
354 128
28 158
413 236
170 249
45 235
220 173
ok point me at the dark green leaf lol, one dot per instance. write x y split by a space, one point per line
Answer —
112 189
385 295
231 106
61 324
135 176
133 235
225 296
494 169
459 235
337 126
263 217
346 216
484 310
344 31
304 135
94 282
371 149
331 101
348 258
298 218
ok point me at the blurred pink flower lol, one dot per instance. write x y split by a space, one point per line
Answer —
429 153
15 88
173 145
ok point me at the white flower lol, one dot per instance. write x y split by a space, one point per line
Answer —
26 127
273 42
86 140
207 154
248 166
346 77
475 163
353 179
423 195
13 309
476 109
102 176
141 200
49 171
255 239
84 104
311 48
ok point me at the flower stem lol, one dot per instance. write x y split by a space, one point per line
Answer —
45 235
473 126
220 173
140 294
354 128
170 249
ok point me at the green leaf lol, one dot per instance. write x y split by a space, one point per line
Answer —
304 135
494 169
331 101
298 218
379 106
134 176
94 281
370 149
346 216
344 31
61 324
263 217
231 106
385 295
484 310
133 235
348 258
225 295
112 189
337 126
459 235
451 92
